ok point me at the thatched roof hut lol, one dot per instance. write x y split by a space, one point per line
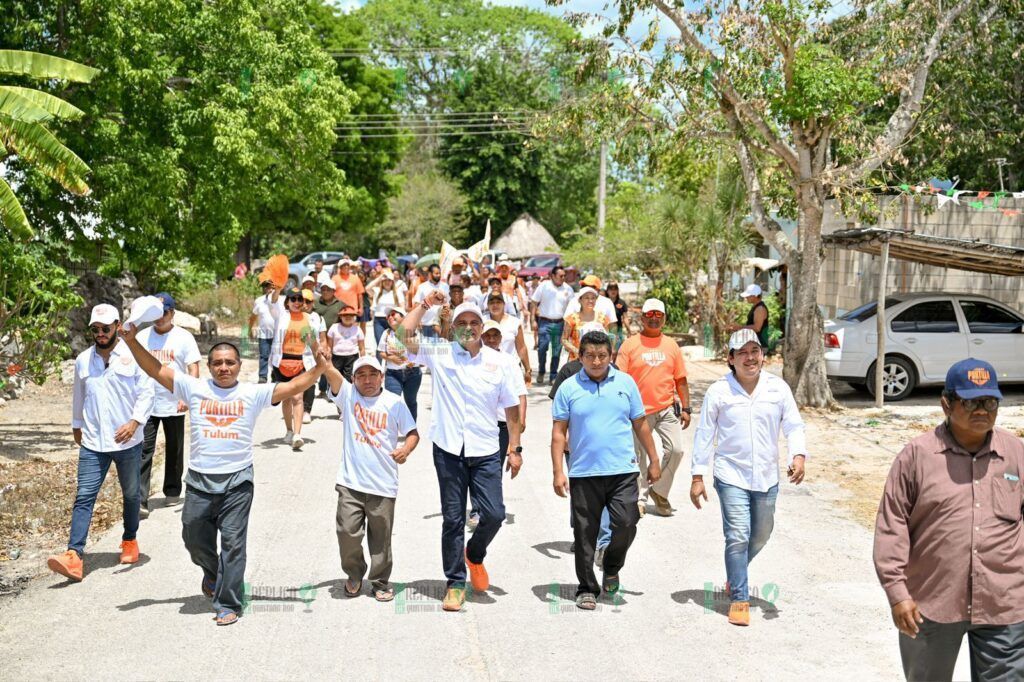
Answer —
525 237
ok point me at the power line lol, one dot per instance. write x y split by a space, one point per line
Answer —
453 134
452 114
459 126
490 145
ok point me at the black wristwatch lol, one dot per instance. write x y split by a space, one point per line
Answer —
518 450
687 410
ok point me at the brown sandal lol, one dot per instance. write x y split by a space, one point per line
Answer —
355 592
384 594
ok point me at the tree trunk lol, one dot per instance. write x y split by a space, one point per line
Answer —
804 368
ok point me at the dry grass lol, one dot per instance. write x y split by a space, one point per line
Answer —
234 295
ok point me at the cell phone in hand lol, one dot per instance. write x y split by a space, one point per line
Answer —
678 409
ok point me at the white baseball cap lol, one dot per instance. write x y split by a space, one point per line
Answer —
344 261
388 309
752 290
586 290
367 361
467 308
653 304
491 324
327 282
592 327
742 337
307 278
104 313
504 261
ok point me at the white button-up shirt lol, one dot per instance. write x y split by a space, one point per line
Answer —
746 430
551 300
468 392
266 321
106 397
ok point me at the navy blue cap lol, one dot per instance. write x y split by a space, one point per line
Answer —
167 300
973 378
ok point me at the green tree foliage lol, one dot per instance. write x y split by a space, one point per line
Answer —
35 296
24 114
429 209
209 121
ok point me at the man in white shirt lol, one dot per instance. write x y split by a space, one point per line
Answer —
740 421
548 305
262 324
111 399
423 292
367 481
172 346
219 482
471 383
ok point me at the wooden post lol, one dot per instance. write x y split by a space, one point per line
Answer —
880 316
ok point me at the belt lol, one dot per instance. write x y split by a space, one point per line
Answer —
549 319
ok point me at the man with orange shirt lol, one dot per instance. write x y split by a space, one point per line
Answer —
657 366
348 288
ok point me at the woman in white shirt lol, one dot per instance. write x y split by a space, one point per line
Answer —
400 376
385 293
740 421
512 339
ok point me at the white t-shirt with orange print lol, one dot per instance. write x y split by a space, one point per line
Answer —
222 421
372 429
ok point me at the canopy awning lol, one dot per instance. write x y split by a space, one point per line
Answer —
943 252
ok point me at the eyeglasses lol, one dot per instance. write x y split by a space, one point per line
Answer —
293 299
988 404
654 314
102 329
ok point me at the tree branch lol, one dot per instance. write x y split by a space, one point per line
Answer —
743 109
904 117
766 226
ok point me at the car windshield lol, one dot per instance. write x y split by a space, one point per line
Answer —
867 311
542 262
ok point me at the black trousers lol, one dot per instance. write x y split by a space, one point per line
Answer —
997 651
174 461
344 364
588 496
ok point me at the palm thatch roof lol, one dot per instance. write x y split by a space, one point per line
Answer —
525 237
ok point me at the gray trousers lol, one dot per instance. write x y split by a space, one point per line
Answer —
666 426
997 651
360 512
203 515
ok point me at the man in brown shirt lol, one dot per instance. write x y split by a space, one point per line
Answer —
949 539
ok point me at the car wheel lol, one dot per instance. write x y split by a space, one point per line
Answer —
898 378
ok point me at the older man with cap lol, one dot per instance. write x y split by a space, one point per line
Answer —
111 398
657 366
471 383
949 537
757 316
740 420
172 346
262 323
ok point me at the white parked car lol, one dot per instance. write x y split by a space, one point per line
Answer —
925 334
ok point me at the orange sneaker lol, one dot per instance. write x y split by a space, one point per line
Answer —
68 564
739 613
477 575
129 551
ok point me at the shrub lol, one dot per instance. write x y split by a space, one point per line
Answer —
234 295
672 292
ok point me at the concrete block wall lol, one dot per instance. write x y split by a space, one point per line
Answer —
849 278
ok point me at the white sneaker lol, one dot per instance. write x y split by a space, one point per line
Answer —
288 436
307 418
297 443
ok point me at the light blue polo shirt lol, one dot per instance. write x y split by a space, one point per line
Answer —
600 417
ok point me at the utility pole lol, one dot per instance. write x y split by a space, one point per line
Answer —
602 180
1000 162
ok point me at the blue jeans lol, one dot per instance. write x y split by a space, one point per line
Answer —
458 475
747 520
427 332
265 346
550 334
406 383
92 471
380 325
